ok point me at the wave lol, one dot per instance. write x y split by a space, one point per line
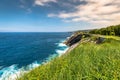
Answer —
61 52
13 72
62 45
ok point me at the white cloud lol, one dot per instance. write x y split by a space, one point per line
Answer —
43 2
29 10
94 11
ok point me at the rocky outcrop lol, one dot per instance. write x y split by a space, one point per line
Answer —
75 38
100 40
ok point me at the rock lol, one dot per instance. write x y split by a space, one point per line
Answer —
100 40
74 39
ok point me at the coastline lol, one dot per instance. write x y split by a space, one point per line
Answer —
72 47
13 72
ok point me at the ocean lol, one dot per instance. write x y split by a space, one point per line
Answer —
21 52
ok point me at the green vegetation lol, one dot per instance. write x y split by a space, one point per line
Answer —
88 61
111 30
113 37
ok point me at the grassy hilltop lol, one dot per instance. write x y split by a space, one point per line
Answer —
88 61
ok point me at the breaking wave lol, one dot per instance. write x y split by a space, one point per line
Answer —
13 72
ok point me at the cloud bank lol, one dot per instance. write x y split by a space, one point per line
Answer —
43 2
92 11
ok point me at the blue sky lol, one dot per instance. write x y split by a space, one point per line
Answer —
57 15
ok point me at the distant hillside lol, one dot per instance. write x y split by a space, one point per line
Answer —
111 30
84 30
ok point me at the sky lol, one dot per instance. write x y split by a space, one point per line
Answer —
57 15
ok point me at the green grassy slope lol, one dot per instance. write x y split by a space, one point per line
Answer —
88 61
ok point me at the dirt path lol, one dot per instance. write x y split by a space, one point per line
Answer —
72 47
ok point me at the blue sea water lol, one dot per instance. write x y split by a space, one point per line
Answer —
28 50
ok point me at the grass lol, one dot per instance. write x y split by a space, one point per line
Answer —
113 37
88 61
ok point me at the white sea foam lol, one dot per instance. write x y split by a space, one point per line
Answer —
62 51
9 73
13 72
61 45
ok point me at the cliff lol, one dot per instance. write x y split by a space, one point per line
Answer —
79 37
75 38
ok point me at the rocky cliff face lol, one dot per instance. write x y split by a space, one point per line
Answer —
75 38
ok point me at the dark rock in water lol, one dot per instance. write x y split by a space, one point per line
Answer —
100 40
74 39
